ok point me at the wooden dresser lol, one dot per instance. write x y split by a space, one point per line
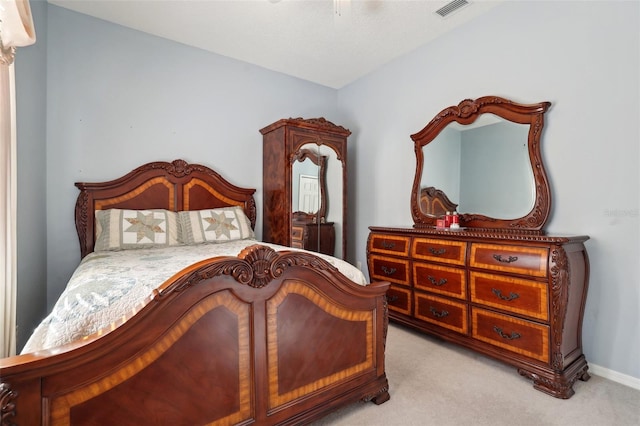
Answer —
517 297
312 236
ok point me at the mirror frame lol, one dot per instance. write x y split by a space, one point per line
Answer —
321 162
466 112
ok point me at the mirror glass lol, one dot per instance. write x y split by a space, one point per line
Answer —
317 194
308 184
483 167
482 159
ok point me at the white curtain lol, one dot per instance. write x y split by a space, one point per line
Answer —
16 30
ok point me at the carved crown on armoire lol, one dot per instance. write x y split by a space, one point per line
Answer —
495 281
305 185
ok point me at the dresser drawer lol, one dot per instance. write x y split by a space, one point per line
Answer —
444 251
441 312
440 279
515 295
399 299
516 335
389 244
516 259
297 233
389 269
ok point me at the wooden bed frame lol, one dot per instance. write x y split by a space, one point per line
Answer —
262 338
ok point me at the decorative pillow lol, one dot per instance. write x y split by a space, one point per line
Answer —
214 225
132 229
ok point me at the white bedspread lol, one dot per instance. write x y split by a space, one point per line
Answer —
109 285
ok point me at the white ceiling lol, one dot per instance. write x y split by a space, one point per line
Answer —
328 42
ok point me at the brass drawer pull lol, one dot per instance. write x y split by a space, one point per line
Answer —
437 314
437 252
513 335
442 281
388 245
388 271
509 298
509 259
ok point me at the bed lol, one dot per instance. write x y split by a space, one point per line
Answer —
268 335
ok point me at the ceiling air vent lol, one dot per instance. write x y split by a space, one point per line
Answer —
451 7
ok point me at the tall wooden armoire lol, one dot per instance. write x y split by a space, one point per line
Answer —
305 185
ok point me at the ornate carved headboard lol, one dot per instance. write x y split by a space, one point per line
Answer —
435 202
175 186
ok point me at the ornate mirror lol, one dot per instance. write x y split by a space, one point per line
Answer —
482 158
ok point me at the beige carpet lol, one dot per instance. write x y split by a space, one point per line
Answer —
432 382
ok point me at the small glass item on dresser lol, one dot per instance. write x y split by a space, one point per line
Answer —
455 221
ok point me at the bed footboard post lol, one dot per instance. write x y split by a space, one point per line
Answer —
20 403
7 403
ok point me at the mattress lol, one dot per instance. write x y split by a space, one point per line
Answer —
110 285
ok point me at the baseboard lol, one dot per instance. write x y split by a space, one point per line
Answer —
623 379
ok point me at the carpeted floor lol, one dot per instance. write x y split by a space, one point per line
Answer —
432 382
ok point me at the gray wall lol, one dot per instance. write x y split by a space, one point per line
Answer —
584 58
117 98
31 113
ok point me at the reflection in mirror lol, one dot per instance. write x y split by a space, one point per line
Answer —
308 194
484 156
483 167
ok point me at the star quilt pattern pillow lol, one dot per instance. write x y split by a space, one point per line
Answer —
130 229
214 225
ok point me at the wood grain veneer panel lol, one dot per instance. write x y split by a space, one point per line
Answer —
440 279
442 312
303 359
514 259
519 336
215 378
390 269
199 195
399 299
445 251
389 244
525 297
156 193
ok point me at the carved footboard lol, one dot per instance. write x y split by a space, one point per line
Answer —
265 338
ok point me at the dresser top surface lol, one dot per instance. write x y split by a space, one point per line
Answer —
482 233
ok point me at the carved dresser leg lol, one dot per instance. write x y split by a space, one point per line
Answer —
379 397
559 387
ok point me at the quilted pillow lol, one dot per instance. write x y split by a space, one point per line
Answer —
132 229
214 225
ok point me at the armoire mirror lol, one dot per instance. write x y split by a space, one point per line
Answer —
309 194
317 195
482 157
